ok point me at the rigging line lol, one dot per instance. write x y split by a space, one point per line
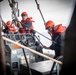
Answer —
38 7
45 36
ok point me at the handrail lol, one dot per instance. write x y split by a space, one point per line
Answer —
34 51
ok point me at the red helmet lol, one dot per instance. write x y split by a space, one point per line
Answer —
49 24
24 13
8 22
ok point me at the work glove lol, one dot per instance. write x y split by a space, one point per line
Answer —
32 31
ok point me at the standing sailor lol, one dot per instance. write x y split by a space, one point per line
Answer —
26 24
55 32
9 28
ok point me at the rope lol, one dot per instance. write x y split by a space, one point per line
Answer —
38 7
45 36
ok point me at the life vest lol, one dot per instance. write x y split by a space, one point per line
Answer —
12 29
27 20
23 30
59 28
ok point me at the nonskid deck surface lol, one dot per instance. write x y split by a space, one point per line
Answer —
43 67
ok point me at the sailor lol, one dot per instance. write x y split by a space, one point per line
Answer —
26 24
9 28
55 32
